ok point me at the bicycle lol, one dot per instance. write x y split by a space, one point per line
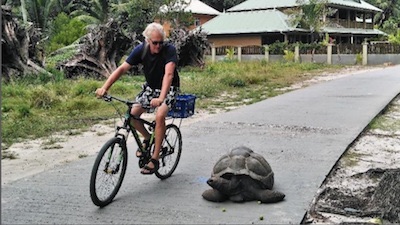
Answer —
110 165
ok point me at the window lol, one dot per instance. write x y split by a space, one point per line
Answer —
197 22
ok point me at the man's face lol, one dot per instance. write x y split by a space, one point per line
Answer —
156 41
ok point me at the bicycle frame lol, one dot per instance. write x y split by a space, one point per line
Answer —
127 127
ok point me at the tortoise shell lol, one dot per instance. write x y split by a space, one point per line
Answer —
243 161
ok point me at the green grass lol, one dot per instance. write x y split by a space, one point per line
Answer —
38 106
386 123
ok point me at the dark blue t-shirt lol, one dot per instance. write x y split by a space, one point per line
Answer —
154 64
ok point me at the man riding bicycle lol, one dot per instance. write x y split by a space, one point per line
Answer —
159 62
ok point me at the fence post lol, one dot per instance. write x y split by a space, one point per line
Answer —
329 54
296 53
266 49
213 53
239 54
365 53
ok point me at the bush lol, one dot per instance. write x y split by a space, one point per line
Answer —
289 56
278 48
64 31
359 58
395 38
230 54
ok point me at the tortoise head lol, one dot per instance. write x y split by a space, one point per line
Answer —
228 183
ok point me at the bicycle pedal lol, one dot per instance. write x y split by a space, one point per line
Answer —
164 151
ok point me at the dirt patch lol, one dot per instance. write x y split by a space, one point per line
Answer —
364 186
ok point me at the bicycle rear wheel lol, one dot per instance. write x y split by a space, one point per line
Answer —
170 152
108 171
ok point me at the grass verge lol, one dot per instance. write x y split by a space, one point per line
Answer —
37 106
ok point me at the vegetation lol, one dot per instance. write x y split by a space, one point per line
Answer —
395 38
190 46
386 122
230 54
36 106
65 31
289 56
389 19
310 14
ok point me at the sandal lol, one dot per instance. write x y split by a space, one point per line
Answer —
146 144
148 170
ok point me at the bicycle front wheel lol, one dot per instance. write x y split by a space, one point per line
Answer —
170 152
108 171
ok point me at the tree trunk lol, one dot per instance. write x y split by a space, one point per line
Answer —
18 51
99 53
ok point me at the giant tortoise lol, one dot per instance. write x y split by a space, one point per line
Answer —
242 175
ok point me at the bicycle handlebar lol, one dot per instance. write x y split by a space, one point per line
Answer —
109 98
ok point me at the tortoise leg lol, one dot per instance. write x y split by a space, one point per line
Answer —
237 198
269 196
214 195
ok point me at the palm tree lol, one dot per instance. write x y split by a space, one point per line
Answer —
39 11
92 11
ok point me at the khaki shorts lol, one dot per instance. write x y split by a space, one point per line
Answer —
147 94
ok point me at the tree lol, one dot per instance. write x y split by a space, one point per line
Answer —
311 15
174 12
389 18
190 46
99 52
19 52
136 14
91 11
39 12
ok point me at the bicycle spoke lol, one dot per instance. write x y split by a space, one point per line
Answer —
171 150
108 172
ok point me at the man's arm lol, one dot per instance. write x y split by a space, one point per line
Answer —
123 68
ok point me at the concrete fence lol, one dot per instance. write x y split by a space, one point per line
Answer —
364 57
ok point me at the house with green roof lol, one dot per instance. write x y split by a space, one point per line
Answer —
260 22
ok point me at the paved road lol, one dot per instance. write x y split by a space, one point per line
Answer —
302 134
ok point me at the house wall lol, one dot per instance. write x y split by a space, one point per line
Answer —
242 40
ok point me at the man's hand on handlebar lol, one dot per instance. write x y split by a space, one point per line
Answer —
100 92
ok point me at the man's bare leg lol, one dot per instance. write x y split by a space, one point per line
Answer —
137 111
159 133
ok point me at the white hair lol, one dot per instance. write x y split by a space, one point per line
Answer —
153 27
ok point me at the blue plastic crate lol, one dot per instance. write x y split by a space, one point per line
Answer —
184 106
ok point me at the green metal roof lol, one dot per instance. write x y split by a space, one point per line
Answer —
248 22
271 4
266 21
262 4
352 31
